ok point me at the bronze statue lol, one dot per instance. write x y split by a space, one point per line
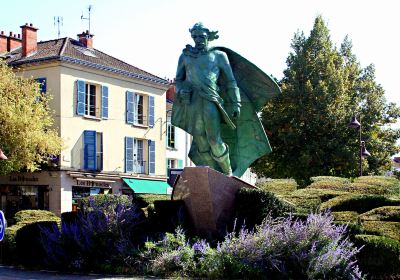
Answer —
218 95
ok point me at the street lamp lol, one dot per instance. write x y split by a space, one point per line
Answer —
2 155
354 123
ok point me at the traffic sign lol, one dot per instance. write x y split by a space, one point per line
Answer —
2 225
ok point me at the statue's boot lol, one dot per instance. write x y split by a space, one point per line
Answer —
224 162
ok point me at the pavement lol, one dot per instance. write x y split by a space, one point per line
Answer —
16 273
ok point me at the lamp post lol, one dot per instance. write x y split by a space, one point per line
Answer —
354 123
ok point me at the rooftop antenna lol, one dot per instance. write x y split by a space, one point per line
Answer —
88 18
59 22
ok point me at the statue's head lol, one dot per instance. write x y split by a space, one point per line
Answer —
202 35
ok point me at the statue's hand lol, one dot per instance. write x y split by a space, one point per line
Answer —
236 112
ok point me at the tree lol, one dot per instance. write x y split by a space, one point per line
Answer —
322 88
27 135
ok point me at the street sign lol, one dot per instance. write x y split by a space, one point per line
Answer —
2 225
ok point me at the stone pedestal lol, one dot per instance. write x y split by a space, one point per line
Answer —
209 197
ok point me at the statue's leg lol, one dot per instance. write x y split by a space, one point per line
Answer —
219 150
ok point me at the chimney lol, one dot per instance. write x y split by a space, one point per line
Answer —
29 39
3 43
86 39
13 41
171 90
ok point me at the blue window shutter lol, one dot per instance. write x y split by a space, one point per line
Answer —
152 157
80 97
180 163
42 84
130 107
129 154
151 111
89 142
104 102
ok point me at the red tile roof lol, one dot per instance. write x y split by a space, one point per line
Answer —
70 50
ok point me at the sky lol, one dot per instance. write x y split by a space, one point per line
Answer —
150 34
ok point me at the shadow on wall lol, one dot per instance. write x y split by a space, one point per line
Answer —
77 154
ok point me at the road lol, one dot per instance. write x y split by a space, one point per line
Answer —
14 273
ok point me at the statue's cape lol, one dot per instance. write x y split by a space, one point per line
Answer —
248 141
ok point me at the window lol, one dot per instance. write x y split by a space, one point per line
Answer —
93 150
139 109
172 163
42 84
170 135
92 100
139 156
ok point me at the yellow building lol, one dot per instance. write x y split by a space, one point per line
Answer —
111 116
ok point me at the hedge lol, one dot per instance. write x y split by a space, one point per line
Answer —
388 229
329 179
253 205
385 213
348 216
278 186
23 218
28 241
379 256
310 199
357 203
27 216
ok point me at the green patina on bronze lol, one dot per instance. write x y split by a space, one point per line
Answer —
218 95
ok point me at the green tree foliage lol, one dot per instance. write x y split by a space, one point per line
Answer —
322 88
27 135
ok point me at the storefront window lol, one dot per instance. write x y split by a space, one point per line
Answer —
15 198
78 193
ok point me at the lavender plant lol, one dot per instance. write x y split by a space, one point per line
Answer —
104 235
288 248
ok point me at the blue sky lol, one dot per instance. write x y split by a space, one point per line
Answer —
151 34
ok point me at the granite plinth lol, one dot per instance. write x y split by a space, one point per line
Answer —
209 198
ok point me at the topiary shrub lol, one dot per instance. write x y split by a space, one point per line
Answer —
348 216
388 229
278 186
357 203
381 185
329 179
253 205
69 217
385 213
107 202
168 215
29 249
379 257
28 216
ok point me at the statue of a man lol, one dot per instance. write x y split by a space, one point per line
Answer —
208 104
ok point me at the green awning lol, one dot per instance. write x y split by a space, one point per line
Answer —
148 186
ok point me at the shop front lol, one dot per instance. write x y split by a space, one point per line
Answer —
86 188
14 198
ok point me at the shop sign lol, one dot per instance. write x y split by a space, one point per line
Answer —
22 178
2 225
93 184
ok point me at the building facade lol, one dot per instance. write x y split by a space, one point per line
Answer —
111 116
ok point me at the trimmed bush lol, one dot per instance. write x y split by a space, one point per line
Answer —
29 247
376 185
169 215
253 205
348 216
380 255
278 186
108 202
145 200
28 216
310 199
385 213
330 185
357 203
69 217
388 229
329 179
